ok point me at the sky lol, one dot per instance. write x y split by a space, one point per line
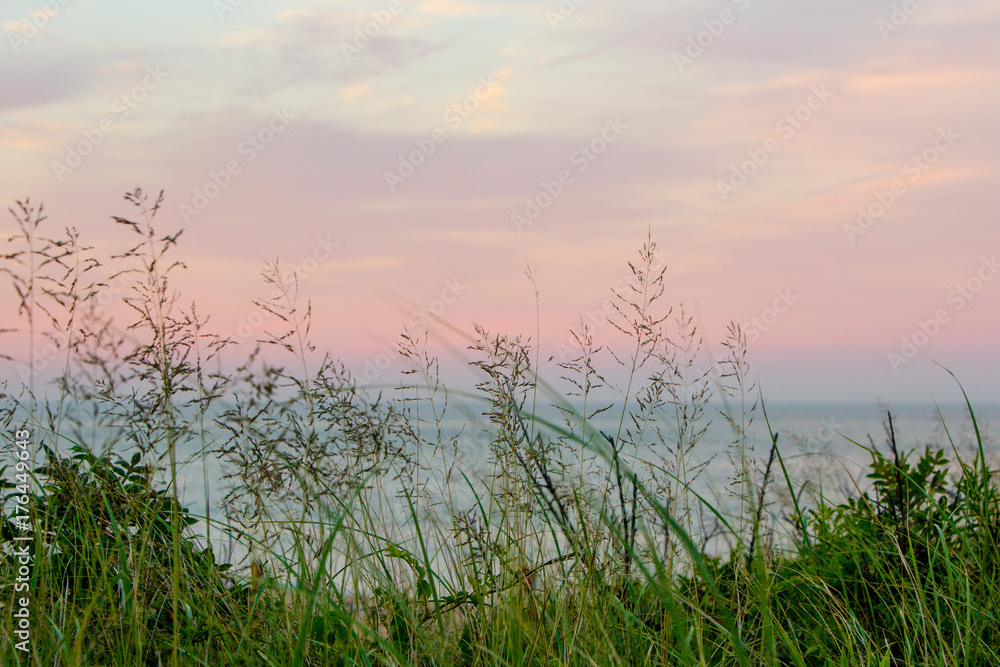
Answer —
824 174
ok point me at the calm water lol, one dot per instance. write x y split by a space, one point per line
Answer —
823 443
818 439
818 442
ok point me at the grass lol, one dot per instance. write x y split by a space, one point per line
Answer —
361 536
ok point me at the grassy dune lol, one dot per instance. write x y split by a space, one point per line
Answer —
368 541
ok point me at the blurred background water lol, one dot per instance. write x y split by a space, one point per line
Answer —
823 444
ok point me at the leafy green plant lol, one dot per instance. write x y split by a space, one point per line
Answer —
913 539
106 538
362 536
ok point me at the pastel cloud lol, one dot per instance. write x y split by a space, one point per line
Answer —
556 86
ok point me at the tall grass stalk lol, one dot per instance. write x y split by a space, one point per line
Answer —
364 532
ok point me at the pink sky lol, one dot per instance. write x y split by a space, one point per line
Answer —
747 157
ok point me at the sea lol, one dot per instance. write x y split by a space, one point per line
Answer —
826 446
